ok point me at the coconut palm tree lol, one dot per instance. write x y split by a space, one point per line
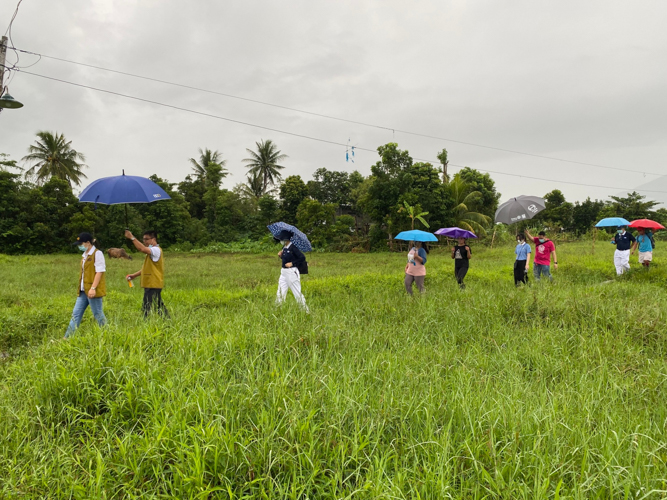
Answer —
206 156
264 163
465 201
253 187
411 213
53 156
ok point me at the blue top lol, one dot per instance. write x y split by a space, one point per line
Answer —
294 255
522 250
623 241
422 253
644 243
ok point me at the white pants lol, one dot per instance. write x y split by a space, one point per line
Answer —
622 261
290 279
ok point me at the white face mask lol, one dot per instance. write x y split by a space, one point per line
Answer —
284 242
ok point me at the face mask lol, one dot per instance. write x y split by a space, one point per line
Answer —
150 246
519 241
285 242
82 248
620 231
542 240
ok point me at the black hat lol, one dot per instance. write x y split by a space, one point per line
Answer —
284 235
83 238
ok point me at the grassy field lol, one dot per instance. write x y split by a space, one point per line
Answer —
550 391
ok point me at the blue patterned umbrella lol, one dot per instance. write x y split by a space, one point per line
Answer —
299 239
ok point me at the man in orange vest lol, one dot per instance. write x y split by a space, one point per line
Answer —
152 272
91 286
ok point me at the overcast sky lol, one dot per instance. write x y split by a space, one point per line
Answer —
583 81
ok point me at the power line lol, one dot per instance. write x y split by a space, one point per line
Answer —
302 136
346 120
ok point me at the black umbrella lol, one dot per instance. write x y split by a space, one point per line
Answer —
519 209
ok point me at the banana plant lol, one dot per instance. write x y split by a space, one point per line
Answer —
411 213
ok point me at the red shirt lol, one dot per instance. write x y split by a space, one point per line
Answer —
543 252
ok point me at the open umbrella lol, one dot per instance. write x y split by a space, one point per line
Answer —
519 209
613 222
415 235
123 189
299 239
455 232
647 224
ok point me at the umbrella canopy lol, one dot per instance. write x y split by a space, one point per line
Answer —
646 224
455 232
299 239
613 222
519 209
123 189
415 235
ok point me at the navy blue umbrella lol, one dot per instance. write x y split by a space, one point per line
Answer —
299 239
123 189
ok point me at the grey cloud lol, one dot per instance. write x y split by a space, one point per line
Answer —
579 80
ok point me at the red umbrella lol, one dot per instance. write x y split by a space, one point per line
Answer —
646 224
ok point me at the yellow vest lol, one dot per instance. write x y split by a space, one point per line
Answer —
152 273
89 277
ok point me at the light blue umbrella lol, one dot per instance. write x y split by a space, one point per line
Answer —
416 235
613 222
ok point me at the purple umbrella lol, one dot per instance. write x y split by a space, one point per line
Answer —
455 232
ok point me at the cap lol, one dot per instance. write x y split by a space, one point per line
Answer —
83 238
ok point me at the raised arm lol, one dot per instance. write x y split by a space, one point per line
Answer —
529 236
137 244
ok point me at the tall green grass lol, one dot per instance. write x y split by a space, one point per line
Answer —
549 391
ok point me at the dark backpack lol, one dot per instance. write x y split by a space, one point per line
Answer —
303 268
652 240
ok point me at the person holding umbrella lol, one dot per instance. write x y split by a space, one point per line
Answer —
152 272
522 262
544 249
461 255
645 244
623 241
415 271
91 284
290 276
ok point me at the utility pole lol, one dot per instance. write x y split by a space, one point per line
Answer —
6 101
3 55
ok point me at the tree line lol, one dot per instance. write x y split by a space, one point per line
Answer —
342 211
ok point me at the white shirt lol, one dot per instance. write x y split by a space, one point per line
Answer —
100 265
155 253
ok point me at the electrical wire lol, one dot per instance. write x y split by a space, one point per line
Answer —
8 33
302 136
346 120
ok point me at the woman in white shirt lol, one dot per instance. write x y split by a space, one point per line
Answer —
91 285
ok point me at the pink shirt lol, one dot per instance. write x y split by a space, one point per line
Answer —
416 269
543 252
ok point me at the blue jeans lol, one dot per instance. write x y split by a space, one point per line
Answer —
82 302
542 269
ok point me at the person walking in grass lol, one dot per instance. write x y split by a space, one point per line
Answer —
544 249
522 262
290 276
461 255
152 272
645 244
415 271
623 241
91 286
